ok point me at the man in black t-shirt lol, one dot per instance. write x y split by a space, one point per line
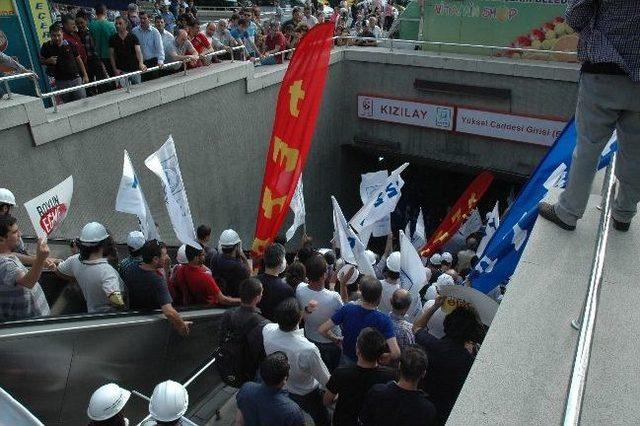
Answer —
64 63
275 289
125 53
352 382
401 403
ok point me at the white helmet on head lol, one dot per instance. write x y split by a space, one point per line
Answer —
393 261
345 270
181 256
135 240
93 233
107 401
435 260
7 197
169 401
371 257
447 257
445 279
229 238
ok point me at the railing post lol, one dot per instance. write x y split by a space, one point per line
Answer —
233 56
244 54
391 44
7 89
55 104
127 85
184 66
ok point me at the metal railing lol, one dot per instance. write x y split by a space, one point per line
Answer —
587 319
30 75
124 79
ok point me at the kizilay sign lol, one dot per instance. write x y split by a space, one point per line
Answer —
538 131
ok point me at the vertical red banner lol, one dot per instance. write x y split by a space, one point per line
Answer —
458 213
297 111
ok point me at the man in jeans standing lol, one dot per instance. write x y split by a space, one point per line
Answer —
65 64
101 30
608 100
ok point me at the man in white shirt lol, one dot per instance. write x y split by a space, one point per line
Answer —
308 371
168 41
100 283
309 19
319 305
391 282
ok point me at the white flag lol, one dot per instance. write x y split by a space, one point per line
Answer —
369 186
381 203
164 163
14 413
48 210
412 275
493 222
351 248
130 199
419 238
472 224
297 206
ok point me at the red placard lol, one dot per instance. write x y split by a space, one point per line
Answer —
297 111
461 209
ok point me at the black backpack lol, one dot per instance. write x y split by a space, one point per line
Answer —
234 358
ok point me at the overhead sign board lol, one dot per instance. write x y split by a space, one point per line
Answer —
406 112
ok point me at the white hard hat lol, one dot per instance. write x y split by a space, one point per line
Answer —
7 197
107 401
136 240
181 256
229 238
393 261
445 279
446 257
436 259
371 257
169 401
345 270
93 233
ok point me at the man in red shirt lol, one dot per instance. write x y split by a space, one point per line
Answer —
274 42
200 42
195 283
70 35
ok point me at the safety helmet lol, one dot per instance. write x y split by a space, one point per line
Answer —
107 401
169 401
393 262
135 240
371 257
345 270
445 279
93 233
446 257
435 260
229 238
7 197
181 256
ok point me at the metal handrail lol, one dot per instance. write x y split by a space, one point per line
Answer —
587 324
125 77
30 75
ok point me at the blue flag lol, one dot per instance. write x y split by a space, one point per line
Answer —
505 248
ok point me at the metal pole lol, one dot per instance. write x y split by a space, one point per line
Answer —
136 393
184 66
127 85
199 372
7 89
590 309
55 104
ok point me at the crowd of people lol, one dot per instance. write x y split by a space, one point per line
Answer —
305 335
89 45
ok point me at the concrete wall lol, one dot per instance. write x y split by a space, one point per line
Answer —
221 119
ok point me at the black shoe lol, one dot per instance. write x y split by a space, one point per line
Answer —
546 210
621 226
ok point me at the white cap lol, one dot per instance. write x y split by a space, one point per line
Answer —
229 238
136 240
344 271
107 401
7 197
446 257
445 279
181 256
436 259
93 233
393 261
371 257
169 401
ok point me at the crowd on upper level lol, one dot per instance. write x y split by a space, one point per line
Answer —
337 336
88 45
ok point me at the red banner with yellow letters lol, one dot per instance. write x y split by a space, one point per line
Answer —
458 214
296 114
